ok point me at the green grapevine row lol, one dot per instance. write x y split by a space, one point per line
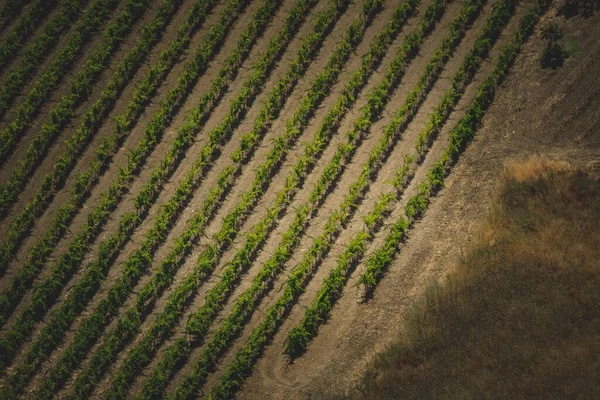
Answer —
23 29
128 325
84 182
147 343
200 322
44 297
242 365
80 89
35 51
333 285
134 267
11 9
293 182
140 355
81 85
177 353
460 136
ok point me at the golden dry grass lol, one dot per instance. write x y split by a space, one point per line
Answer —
519 317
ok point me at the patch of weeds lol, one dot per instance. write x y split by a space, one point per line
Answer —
553 55
552 32
571 8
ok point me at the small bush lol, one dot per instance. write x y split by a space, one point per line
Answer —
552 32
571 8
553 56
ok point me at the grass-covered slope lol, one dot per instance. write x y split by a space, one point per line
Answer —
519 317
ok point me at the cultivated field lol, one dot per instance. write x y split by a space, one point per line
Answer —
189 188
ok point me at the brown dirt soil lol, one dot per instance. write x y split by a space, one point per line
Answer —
83 162
553 113
57 149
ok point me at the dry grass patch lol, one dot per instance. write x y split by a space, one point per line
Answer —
519 317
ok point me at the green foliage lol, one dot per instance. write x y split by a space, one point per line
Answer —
209 258
460 136
245 306
36 51
321 245
97 61
54 73
404 173
46 293
129 221
24 26
10 10
551 32
196 226
553 56
44 246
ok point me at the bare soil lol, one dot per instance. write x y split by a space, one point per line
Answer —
554 113
537 112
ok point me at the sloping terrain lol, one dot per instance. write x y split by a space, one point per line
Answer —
242 197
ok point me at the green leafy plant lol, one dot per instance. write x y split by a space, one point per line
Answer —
553 56
459 137
10 10
85 288
241 366
551 31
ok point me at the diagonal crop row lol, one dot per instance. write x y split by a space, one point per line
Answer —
459 138
333 285
86 180
144 350
179 351
129 222
197 324
23 29
137 264
10 11
80 89
241 366
128 325
48 291
301 275
244 307
81 85
36 51
297 175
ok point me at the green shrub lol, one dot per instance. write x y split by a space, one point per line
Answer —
553 56
552 32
